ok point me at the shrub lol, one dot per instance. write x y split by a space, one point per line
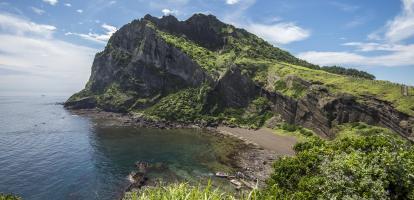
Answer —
367 165
348 72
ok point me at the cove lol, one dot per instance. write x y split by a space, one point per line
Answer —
49 153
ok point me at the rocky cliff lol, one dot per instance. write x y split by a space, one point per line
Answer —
203 70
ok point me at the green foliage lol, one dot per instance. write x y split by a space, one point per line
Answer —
253 116
184 191
9 197
79 95
348 72
296 90
183 106
292 128
115 99
247 45
205 58
363 163
187 106
257 70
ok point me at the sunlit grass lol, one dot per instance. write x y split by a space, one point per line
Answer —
183 191
383 90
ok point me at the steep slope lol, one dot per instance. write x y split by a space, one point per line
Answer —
203 70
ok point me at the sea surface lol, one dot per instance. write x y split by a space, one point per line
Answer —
46 152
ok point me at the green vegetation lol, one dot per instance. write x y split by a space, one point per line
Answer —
188 106
9 197
115 99
348 72
253 116
81 94
207 59
359 87
183 106
261 61
184 191
364 162
268 66
295 89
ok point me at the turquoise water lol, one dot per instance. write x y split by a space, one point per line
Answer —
48 153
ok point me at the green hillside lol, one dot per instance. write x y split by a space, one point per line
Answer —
269 66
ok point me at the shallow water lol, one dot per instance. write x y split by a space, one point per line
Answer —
48 153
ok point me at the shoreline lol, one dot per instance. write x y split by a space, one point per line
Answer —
261 147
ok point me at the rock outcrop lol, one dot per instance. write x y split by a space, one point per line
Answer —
138 68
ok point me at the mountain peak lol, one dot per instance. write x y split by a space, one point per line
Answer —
203 29
203 17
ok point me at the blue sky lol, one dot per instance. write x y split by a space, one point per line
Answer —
47 46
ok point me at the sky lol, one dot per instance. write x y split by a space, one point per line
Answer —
48 46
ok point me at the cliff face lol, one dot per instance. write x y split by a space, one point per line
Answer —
139 70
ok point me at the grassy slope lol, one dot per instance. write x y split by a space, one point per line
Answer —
383 90
261 61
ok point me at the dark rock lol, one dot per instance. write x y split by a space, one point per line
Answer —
82 103
320 111
233 90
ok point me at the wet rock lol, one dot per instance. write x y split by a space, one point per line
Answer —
82 103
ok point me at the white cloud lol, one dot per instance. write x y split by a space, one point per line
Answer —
402 26
273 29
401 56
166 12
279 33
373 46
100 38
79 10
331 58
39 63
19 26
37 10
68 5
389 40
51 2
231 2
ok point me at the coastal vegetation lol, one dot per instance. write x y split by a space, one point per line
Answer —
9 197
363 162
184 191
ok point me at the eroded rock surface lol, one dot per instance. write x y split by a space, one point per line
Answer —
138 68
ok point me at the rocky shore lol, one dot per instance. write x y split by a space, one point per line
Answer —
252 160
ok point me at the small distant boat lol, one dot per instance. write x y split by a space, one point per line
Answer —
222 174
